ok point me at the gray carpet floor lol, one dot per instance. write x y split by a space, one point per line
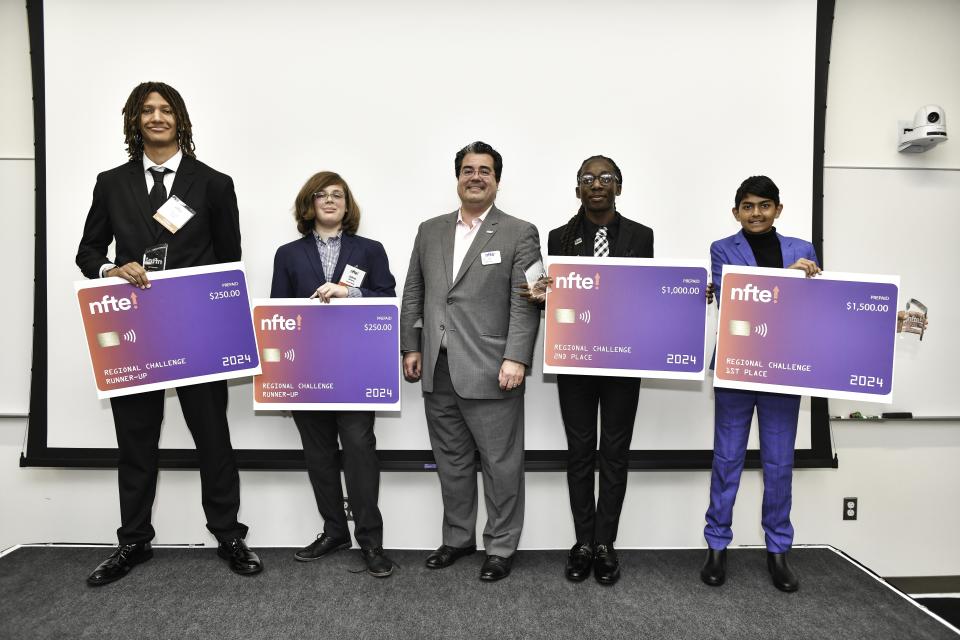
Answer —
190 593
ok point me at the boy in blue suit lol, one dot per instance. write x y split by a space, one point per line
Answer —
757 244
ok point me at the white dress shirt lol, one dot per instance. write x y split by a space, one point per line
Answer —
463 238
171 165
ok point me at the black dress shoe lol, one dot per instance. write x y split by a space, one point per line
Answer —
495 568
124 558
606 565
324 545
242 560
378 565
714 571
445 555
579 562
783 576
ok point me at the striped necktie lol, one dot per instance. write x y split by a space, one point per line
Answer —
601 247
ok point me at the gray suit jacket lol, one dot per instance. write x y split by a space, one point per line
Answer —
479 310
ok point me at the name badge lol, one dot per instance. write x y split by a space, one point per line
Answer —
352 276
173 214
490 257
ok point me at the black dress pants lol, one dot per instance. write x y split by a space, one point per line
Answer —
138 419
361 469
597 521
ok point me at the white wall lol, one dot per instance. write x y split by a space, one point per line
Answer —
891 212
905 475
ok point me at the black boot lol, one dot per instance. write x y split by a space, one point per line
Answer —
783 576
714 571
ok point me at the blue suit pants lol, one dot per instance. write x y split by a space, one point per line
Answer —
777 417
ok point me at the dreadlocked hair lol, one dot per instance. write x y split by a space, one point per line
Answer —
570 230
569 233
616 169
131 118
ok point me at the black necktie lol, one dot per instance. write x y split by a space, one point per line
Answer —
158 194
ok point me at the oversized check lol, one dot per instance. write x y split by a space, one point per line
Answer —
626 317
341 355
192 325
830 336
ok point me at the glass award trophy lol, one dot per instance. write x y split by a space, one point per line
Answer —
913 319
155 258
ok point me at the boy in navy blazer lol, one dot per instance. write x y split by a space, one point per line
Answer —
331 261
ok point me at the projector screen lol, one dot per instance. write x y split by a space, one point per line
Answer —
689 98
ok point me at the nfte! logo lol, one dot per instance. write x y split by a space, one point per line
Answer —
577 281
752 293
281 323
110 303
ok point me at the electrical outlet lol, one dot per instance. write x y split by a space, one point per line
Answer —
850 510
346 508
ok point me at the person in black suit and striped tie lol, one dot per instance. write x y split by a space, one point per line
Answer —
598 230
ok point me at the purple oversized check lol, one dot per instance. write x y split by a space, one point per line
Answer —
344 355
626 317
192 325
831 336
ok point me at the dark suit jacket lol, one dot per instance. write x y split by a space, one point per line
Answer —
121 211
634 240
297 271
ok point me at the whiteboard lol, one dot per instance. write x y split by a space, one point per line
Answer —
905 222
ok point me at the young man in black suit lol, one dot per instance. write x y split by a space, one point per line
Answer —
162 161
599 230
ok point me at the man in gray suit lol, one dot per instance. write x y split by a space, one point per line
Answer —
468 336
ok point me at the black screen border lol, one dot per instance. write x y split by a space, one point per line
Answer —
38 454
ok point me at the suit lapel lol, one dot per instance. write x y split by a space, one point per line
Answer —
183 179
309 245
137 185
623 248
347 246
743 248
488 229
786 250
447 239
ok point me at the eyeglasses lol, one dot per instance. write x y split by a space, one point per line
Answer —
469 172
330 195
605 179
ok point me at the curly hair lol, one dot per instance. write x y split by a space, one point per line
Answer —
131 118
304 210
